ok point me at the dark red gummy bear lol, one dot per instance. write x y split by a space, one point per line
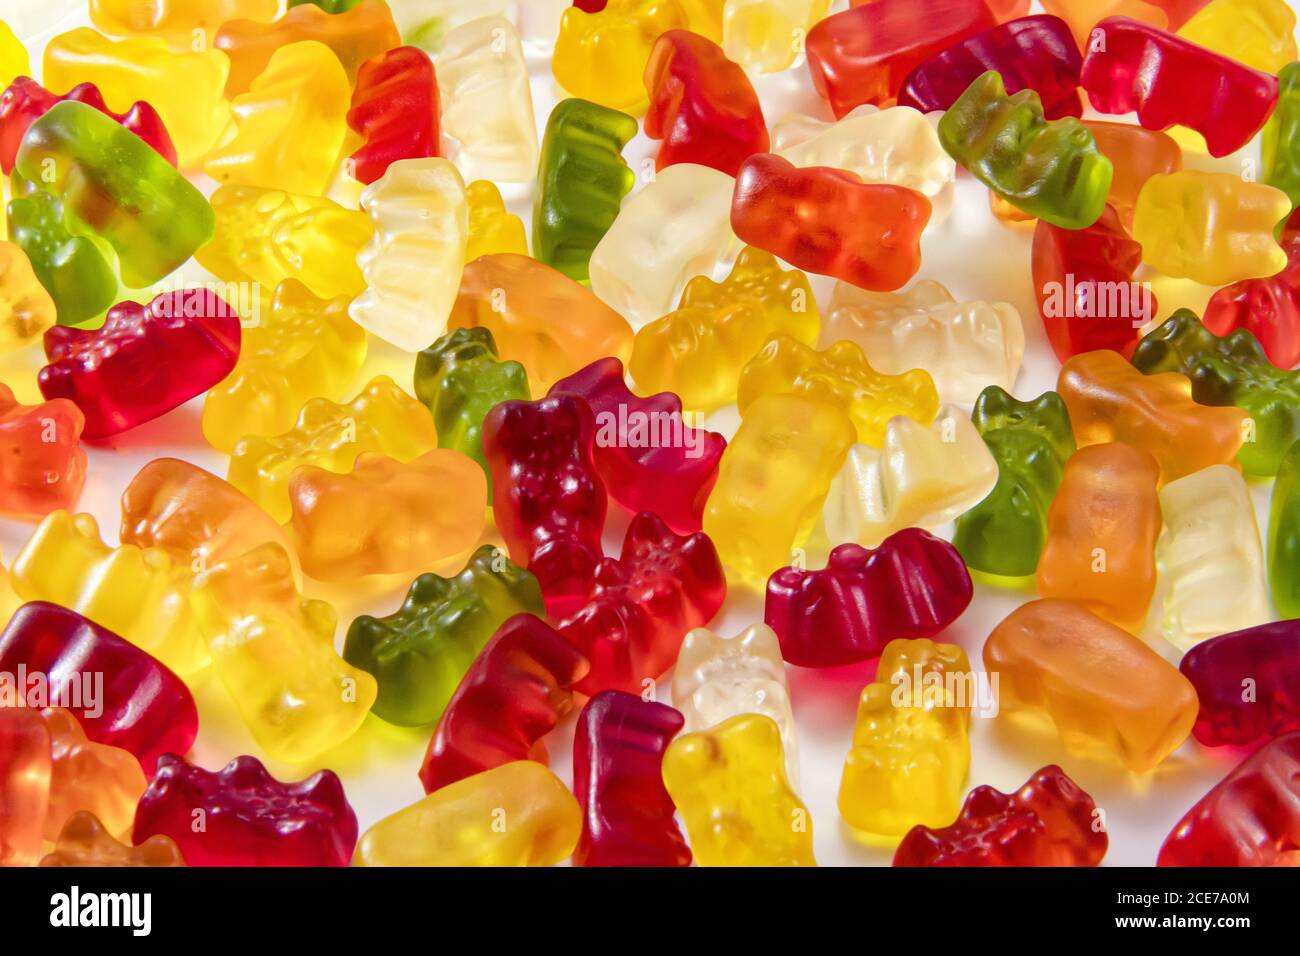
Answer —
242 816
627 814
914 585
648 457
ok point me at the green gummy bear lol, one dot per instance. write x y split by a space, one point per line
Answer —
1230 370
460 378
1004 534
420 652
1051 170
1280 144
73 269
1284 536
115 187
581 181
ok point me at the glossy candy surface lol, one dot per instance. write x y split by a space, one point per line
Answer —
1167 80
454 826
1266 659
143 361
1101 533
912 586
617 775
581 179
143 708
1232 370
251 818
1005 533
42 463
1050 821
635 609
518 688
702 105
830 222
1106 692
648 456
420 652
1248 819
26 101
697 351
513 297
962 345
1048 169
865 54
730 787
115 188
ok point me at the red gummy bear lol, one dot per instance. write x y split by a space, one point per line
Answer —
42 463
547 496
250 818
395 109
26 101
627 814
1050 821
702 105
830 222
1083 275
143 361
141 706
646 454
518 688
1250 818
914 585
1131 66
640 605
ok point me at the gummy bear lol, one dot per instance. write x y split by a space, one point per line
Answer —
251 819
42 463
420 652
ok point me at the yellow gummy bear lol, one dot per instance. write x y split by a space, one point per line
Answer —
267 236
187 89
26 309
289 125
841 376
301 347
13 57
601 56
773 480
179 22
491 228
767 35
1213 228
1259 33
413 262
911 750
461 823
381 418
730 787
138 593
274 652
705 17
698 350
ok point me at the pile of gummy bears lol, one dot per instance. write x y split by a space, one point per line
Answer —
336 167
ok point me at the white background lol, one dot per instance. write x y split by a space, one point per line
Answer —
975 256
